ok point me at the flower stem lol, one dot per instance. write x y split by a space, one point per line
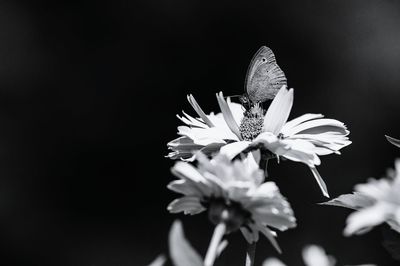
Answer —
250 254
251 248
212 251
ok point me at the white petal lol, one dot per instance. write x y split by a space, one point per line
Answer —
198 110
253 159
297 121
325 143
187 205
377 189
268 234
231 150
293 149
274 218
272 262
187 171
190 121
320 181
229 119
184 187
366 218
218 120
301 151
182 148
279 110
271 142
211 149
315 256
267 189
205 136
183 142
317 126
159 261
237 111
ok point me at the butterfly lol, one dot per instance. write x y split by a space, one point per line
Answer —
264 78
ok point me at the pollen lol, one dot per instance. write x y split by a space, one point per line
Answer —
252 123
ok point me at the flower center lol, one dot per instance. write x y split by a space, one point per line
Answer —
230 213
252 123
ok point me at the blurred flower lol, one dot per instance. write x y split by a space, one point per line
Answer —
237 130
315 256
376 202
234 194
273 262
159 261
312 255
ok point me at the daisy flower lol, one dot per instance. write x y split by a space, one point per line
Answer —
376 202
234 194
236 130
313 255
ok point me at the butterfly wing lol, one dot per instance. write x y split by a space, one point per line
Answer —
264 76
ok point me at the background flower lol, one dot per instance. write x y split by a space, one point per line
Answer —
313 255
376 202
233 193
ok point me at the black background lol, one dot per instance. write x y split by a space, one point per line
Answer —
88 97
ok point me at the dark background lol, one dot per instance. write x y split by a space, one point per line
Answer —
88 97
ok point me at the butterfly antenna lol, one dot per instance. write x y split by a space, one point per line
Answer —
233 96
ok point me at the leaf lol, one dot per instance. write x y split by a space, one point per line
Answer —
181 252
395 142
353 201
159 261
